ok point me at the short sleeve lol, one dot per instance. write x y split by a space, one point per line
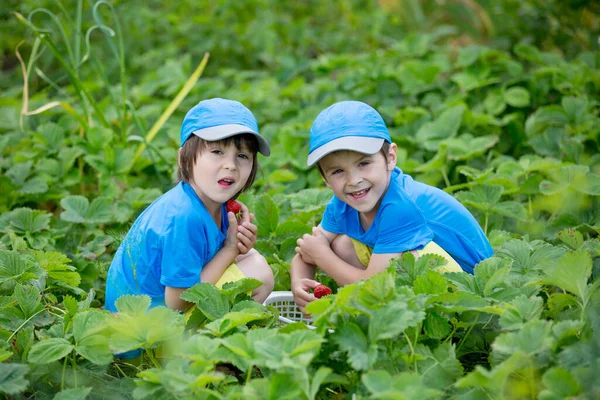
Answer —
332 221
184 252
402 227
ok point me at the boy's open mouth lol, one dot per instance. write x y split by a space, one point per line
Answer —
359 194
226 182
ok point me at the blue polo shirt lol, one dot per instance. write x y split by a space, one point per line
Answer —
167 245
410 215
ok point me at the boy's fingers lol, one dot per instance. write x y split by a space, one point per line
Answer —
245 213
244 239
232 220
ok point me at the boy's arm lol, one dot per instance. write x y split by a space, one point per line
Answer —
213 270
302 280
345 274
316 249
302 273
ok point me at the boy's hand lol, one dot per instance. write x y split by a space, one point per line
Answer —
246 230
301 291
310 246
232 241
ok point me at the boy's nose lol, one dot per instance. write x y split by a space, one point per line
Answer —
354 179
230 163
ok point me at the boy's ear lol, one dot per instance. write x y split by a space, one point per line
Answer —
179 158
392 158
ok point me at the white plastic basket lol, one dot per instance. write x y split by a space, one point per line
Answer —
283 301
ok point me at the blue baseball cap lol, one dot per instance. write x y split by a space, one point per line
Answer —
347 125
216 119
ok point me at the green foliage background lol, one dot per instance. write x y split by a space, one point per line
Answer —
494 102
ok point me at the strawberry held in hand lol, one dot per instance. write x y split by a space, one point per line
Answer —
321 291
235 207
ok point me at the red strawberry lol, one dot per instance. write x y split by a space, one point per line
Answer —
234 206
321 291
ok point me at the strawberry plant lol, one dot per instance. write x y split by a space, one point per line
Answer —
92 102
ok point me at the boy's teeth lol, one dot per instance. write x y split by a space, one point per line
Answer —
360 193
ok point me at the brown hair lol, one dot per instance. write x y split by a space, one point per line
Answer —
195 145
385 149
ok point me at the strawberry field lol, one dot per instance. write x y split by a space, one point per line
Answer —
496 103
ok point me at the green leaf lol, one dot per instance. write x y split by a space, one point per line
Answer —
494 102
51 135
208 299
22 220
242 287
575 109
78 393
267 215
521 310
295 350
14 268
132 329
571 273
430 283
559 384
12 378
90 330
535 338
18 173
135 306
276 386
233 319
394 318
494 380
466 146
29 299
445 126
529 256
440 368
352 340
436 326
57 266
382 385
517 96
138 197
49 350
79 210
571 237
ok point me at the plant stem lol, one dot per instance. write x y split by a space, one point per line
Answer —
23 324
249 374
62 380
150 353
412 352
74 364
464 337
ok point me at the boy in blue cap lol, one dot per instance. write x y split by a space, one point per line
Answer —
186 236
377 212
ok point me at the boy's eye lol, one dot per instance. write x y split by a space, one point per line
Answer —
337 171
244 156
363 163
216 151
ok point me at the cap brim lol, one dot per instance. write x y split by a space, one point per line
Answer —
224 131
365 145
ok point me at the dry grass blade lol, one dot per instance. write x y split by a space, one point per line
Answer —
173 105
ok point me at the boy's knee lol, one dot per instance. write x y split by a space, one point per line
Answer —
342 246
264 271
256 266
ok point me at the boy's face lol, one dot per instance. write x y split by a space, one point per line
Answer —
359 180
220 171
